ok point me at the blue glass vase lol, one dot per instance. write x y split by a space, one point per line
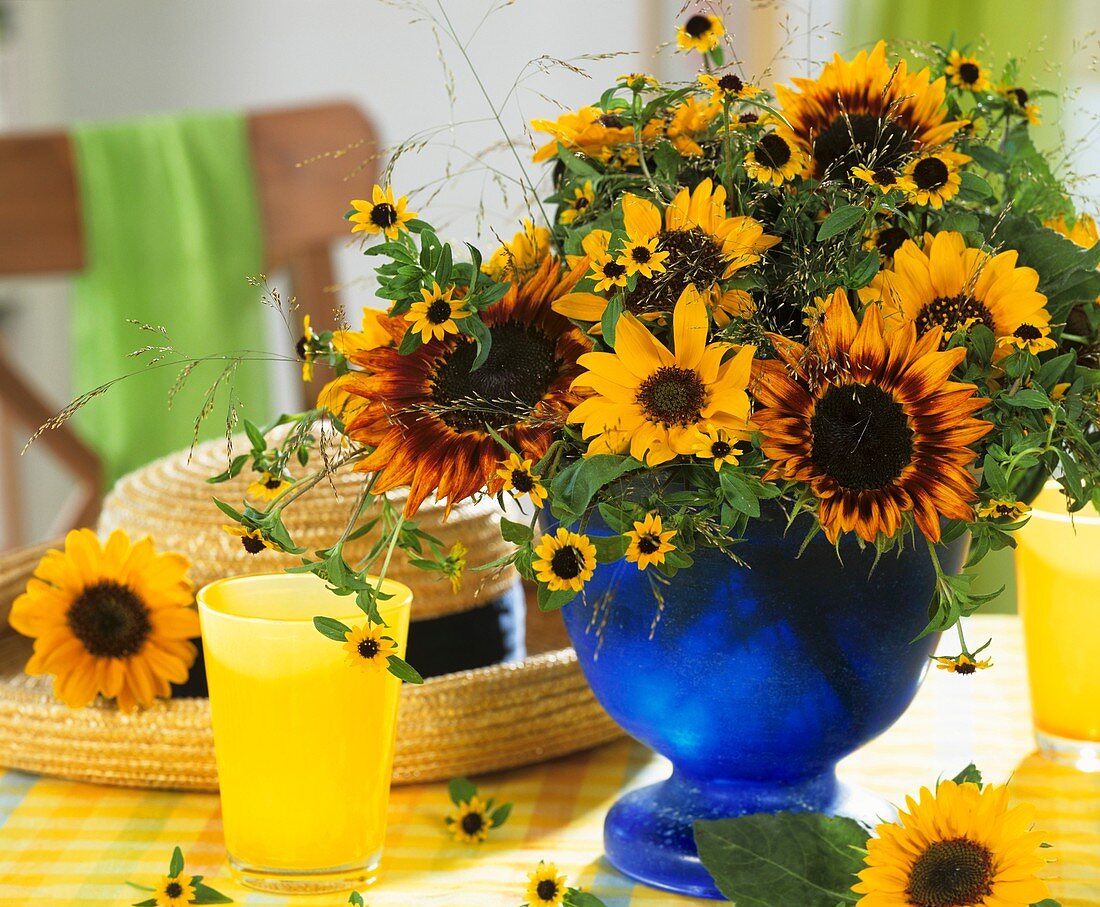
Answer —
754 681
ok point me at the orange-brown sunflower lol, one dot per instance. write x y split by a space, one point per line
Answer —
865 113
703 246
426 413
871 423
952 287
113 619
589 131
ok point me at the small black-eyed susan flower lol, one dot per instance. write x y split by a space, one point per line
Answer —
649 542
967 72
436 313
268 486
470 822
715 444
173 892
637 81
368 649
775 159
581 202
381 214
886 240
961 664
252 540
454 564
305 349
520 480
934 178
1001 509
882 178
727 87
545 888
566 560
641 257
1021 103
608 273
1031 337
700 32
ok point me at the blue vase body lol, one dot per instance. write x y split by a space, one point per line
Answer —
754 681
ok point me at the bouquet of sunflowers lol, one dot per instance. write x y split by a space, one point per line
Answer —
865 296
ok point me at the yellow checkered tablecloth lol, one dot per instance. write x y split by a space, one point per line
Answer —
66 843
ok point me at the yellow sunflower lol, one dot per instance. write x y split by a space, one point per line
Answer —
1083 232
637 81
642 257
173 892
775 159
579 204
588 131
961 845
1033 338
608 273
470 821
268 487
1022 103
961 664
967 72
545 888
716 445
112 620
688 122
381 214
884 179
727 87
368 649
949 286
653 402
1001 509
866 113
871 423
436 314
519 259
565 560
252 540
934 178
704 246
700 32
649 542
520 480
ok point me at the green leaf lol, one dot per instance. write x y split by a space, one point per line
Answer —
443 271
234 470
609 321
609 548
668 161
552 601
409 343
783 858
332 628
974 186
841 220
574 897
516 533
969 774
1047 902
151 902
462 790
477 329
500 814
204 894
1028 398
176 866
229 511
862 266
572 489
576 165
402 670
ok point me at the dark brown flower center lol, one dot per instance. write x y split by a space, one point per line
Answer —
772 151
884 177
749 117
110 620
720 449
301 348
1027 332
522 481
965 667
438 312
731 83
1021 96
516 375
952 312
952 873
547 889
567 562
889 240
272 482
472 823
383 215
861 437
859 140
613 269
649 544
930 173
252 545
581 203
641 254
673 396
368 648
173 889
693 257
697 26
969 73
610 121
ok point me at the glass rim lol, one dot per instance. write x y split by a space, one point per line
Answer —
402 599
1051 516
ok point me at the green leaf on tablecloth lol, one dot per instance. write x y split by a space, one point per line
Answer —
204 894
500 814
462 790
332 628
574 897
141 887
356 899
151 902
1049 902
969 774
176 866
783 858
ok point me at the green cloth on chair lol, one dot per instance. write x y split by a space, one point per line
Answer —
172 231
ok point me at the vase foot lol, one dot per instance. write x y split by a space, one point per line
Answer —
648 833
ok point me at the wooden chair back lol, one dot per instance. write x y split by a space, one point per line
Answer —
309 161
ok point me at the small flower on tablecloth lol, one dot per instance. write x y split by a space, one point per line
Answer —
179 890
473 818
545 888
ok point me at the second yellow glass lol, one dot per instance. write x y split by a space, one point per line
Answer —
1058 577
304 738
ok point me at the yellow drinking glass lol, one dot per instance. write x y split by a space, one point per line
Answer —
1058 577
304 738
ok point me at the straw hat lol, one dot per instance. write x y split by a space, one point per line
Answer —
465 723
